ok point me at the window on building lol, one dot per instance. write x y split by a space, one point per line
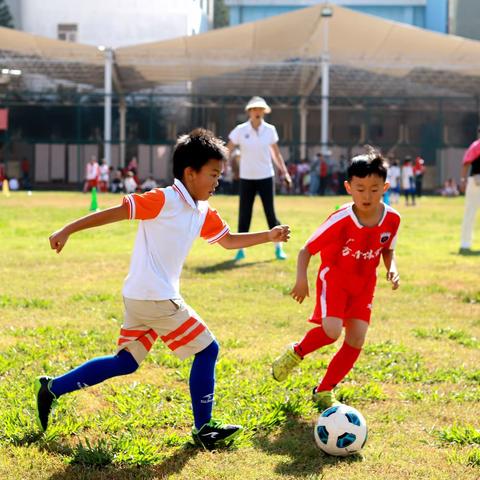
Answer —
67 32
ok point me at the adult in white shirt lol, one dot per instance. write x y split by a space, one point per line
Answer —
258 144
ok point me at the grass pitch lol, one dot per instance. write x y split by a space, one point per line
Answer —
417 381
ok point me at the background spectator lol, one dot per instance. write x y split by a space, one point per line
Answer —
117 182
148 184
450 188
408 181
418 172
104 177
91 174
129 184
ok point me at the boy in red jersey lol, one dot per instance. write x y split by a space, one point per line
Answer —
351 242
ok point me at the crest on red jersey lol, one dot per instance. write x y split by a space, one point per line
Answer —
384 237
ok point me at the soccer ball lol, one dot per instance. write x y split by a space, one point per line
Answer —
341 430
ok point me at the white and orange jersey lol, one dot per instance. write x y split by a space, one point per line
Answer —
171 221
351 247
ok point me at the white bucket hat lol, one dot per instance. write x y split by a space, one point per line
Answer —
258 102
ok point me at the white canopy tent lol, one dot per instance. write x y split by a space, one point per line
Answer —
279 55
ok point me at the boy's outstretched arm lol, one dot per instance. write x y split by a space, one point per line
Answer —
59 238
300 289
280 233
391 266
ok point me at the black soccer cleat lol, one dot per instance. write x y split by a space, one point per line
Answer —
45 400
215 434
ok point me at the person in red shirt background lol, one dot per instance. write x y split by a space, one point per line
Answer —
351 242
418 172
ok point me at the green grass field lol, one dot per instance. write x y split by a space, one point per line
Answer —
417 381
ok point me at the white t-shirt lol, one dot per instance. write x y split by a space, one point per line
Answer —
171 221
407 176
92 171
104 172
255 152
393 176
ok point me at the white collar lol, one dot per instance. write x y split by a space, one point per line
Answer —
179 187
260 127
357 222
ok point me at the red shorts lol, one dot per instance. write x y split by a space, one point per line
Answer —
343 296
92 183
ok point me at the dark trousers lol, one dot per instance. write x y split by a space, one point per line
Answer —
419 185
248 189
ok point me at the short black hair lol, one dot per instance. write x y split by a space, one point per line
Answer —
195 149
370 163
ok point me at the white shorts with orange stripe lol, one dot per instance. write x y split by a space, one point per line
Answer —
177 324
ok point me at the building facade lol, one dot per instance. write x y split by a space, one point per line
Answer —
112 23
464 18
429 14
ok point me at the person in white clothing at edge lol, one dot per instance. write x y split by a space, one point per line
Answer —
92 173
470 184
258 144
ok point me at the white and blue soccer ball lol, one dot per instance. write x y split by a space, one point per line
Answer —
341 430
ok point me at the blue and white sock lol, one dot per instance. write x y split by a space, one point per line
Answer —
202 384
94 371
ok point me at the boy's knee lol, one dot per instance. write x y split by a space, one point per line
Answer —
127 362
214 348
356 342
332 328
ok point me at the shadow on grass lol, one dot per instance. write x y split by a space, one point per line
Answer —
228 265
465 252
296 442
169 466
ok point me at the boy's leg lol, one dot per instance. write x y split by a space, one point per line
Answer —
202 384
345 358
207 432
47 389
94 371
185 334
313 340
318 337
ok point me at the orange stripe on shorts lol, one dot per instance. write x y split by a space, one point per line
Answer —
145 342
181 329
153 334
124 332
187 338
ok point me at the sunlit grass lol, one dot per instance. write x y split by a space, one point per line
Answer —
417 381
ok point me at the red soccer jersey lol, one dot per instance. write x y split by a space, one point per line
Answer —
351 247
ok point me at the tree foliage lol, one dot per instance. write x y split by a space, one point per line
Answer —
220 15
6 19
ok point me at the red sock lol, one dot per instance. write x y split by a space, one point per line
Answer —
339 367
313 340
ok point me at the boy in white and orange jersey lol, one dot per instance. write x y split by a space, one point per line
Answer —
350 242
171 219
